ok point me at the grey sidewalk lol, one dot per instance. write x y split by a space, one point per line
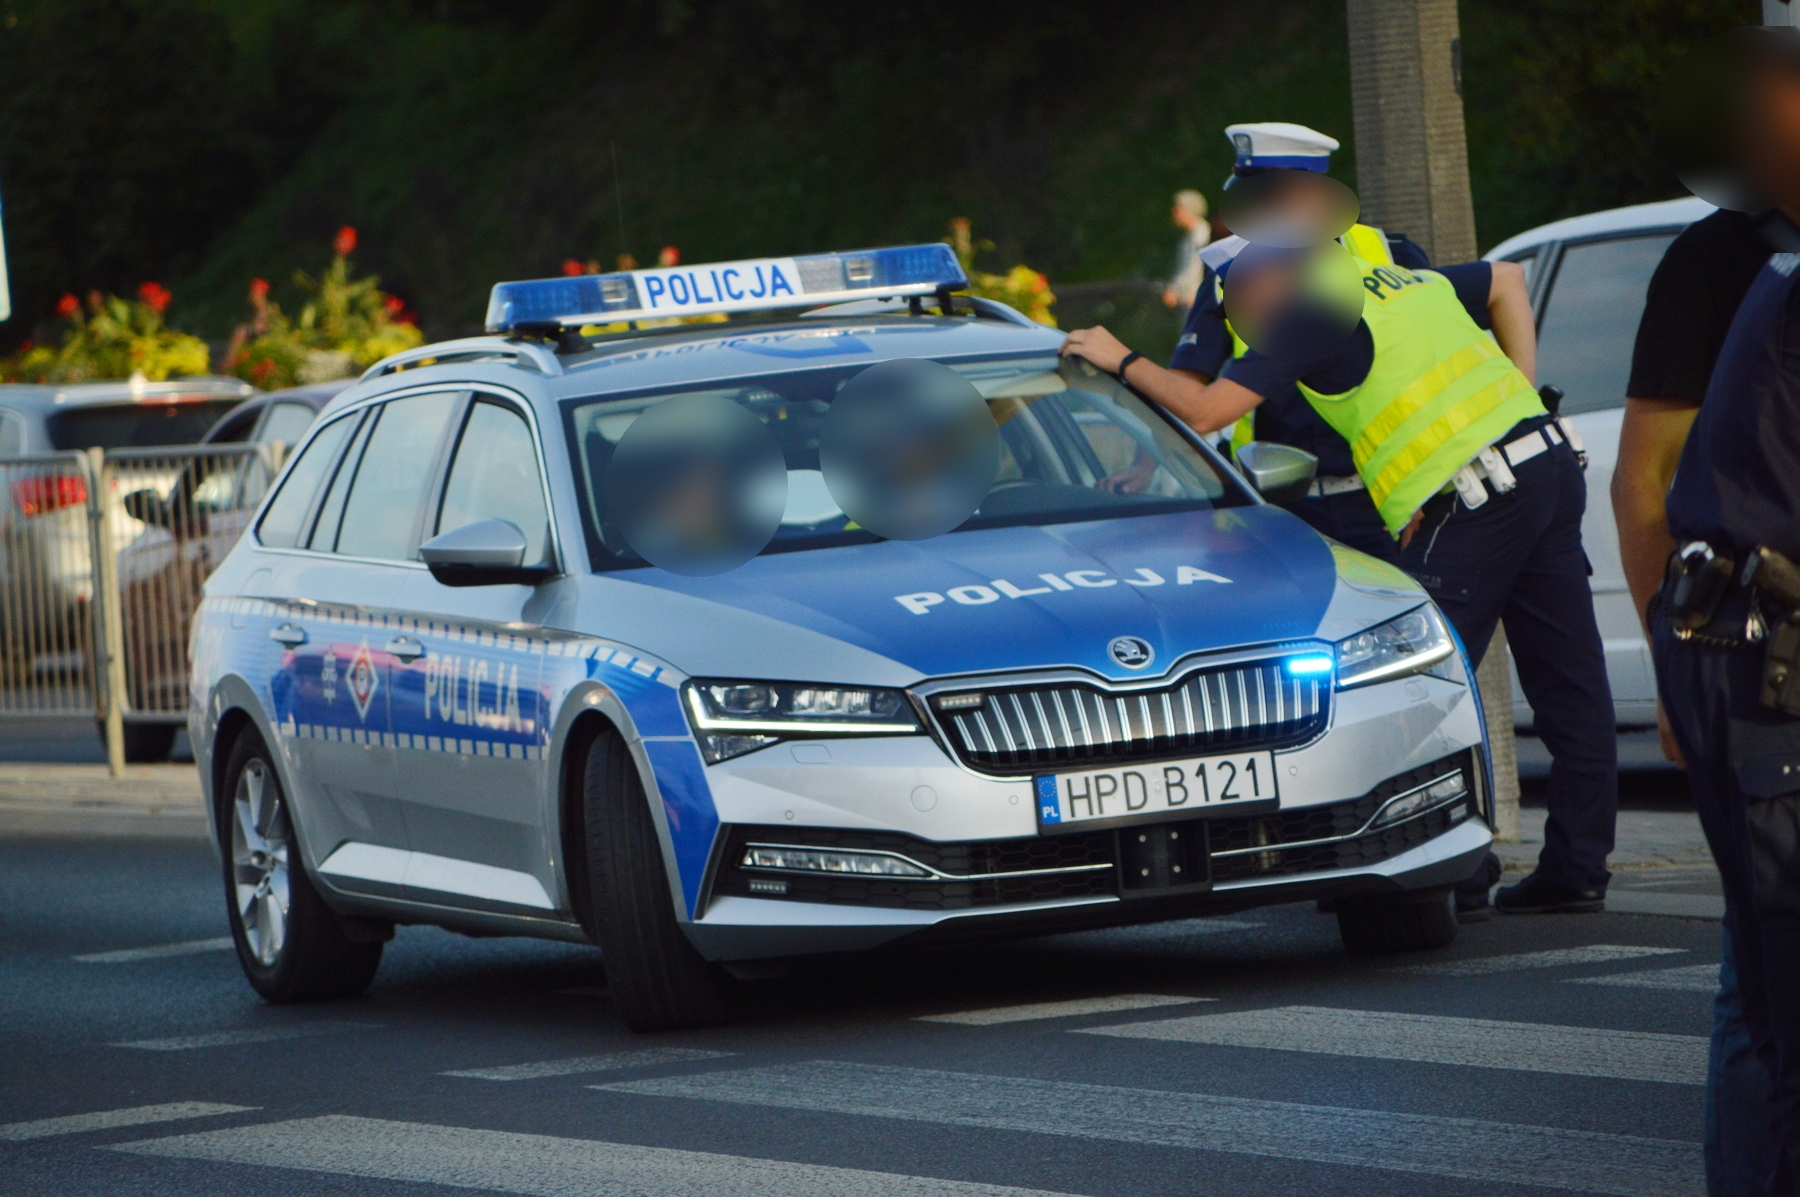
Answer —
160 800
1660 863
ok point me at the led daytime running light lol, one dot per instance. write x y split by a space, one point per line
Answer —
813 860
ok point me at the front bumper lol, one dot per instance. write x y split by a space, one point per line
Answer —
993 874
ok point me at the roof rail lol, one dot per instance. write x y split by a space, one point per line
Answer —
526 355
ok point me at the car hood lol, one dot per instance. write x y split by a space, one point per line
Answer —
1022 597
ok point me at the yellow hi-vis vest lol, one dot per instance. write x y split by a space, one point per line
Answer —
1438 393
1365 243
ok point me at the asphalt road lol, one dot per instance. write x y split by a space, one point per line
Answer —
1246 1055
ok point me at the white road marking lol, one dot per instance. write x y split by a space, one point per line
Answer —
162 951
1480 966
580 1064
1069 1009
1493 1152
304 1030
536 1164
75 1124
1435 1039
1697 978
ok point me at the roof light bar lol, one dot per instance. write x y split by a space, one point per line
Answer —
747 286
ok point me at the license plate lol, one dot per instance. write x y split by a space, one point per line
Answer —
1147 793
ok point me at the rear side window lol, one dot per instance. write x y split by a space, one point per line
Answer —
388 493
1590 323
136 425
286 423
495 476
281 524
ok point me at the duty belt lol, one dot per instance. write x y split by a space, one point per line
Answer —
1706 593
1324 488
1493 465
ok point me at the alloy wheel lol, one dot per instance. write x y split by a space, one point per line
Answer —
260 841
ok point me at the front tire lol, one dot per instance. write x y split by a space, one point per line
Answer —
290 944
1381 926
659 982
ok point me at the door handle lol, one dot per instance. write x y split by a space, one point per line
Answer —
405 648
290 634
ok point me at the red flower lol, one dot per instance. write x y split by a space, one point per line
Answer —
344 244
572 268
262 371
670 256
68 307
155 296
259 290
394 305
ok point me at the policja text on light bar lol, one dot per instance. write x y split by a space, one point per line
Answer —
746 286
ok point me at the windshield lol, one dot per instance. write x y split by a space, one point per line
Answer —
1074 445
137 425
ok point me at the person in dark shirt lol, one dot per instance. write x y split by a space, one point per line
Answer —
1722 624
1693 297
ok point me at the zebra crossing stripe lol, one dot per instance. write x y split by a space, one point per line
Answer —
75 1124
1465 1148
575 1065
1038 1010
301 1030
537 1164
1480 966
1695 978
1436 1039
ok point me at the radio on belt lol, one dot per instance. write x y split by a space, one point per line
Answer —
747 286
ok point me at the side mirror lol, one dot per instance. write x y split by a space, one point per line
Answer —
1280 473
145 505
484 553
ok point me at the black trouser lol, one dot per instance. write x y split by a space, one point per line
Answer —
1351 519
1743 768
1519 557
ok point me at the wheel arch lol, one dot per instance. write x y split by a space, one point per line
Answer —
589 712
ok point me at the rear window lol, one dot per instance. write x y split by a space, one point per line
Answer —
136 425
1590 324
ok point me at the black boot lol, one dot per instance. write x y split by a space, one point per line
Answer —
1540 894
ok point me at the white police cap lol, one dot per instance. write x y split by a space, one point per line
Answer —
1272 145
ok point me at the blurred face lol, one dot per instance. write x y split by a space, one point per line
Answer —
1183 219
1772 131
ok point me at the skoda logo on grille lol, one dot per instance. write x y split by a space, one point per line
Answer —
1131 651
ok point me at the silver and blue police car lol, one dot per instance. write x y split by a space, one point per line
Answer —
434 683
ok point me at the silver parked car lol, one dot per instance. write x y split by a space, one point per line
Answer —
1588 276
46 563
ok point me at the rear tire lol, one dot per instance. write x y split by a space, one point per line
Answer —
1418 922
145 743
290 944
659 982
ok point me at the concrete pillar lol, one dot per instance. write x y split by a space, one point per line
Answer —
1412 175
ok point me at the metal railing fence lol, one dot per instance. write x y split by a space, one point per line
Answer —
102 559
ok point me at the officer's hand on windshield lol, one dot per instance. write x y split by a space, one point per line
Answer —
1412 527
1097 346
1666 735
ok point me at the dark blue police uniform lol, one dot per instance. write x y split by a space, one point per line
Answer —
1348 516
1517 555
1737 488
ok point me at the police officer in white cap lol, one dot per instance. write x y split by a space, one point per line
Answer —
1338 504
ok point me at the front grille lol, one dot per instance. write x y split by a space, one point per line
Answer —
1237 707
1267 834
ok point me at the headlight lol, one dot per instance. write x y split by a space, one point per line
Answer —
1414 643
732 718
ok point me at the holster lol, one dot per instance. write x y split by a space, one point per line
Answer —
1777 583
1697 580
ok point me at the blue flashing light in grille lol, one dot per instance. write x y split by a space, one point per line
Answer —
1313 666
750 285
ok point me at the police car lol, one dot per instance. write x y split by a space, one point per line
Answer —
433 684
